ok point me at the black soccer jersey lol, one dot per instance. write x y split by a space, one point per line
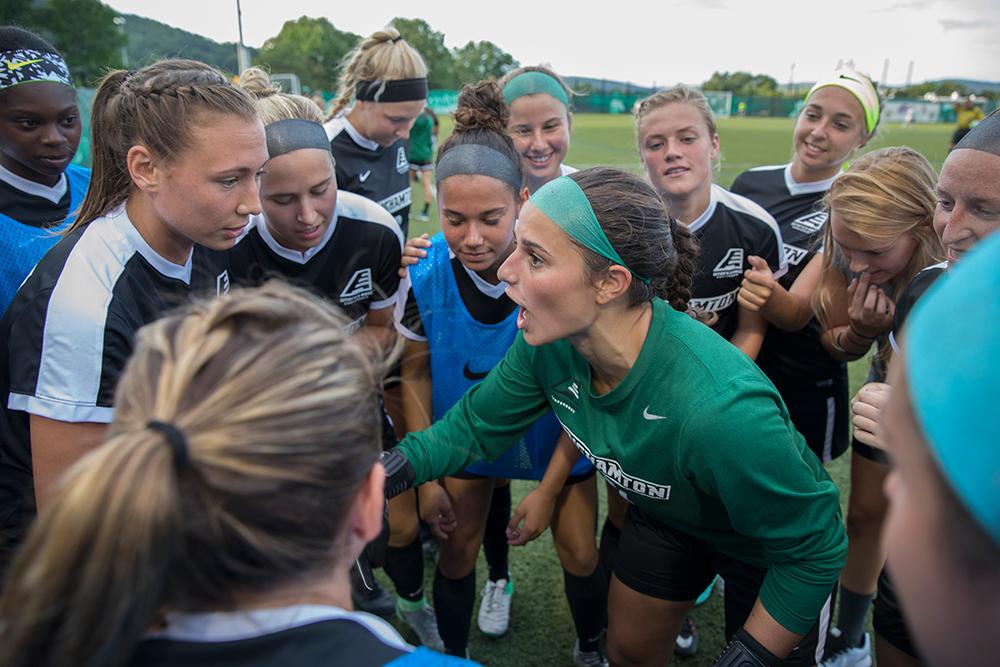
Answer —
68 333
31 203
796 208
298 636
730 229
486 303
356 263
913 292
370 170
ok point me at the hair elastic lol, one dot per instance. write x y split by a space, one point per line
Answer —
565 203
292 134
531 83
27 65
395 90
477 160
175 438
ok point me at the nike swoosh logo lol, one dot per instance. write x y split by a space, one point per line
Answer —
364 177
650 416
16 66
471 374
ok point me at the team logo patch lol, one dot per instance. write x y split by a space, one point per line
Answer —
795 254
402 164
566 397
222 283
731 265
358 288
811 223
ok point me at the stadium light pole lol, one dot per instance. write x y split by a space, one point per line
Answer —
241 51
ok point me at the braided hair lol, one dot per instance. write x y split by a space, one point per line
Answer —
156 106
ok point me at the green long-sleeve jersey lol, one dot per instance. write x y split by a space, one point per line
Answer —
695 435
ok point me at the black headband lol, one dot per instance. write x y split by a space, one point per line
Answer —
478 160
285 136
985 136
176 440
396 90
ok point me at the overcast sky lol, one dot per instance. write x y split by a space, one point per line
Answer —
663 41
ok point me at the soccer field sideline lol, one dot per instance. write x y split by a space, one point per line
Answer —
541 631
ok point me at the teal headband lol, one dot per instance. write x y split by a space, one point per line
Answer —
565 204
952 350
530 83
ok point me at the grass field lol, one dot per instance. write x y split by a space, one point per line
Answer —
541 631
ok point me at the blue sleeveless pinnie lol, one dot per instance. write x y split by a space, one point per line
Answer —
21 246
463 351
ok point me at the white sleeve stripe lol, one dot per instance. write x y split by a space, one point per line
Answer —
60 410
361 208
75 320
409 335
384 303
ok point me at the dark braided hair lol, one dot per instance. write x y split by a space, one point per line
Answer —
648 239
156 106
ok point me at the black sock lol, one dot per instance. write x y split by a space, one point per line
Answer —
495 545
405 566
453 602
588 604
426 208
851 615
610 534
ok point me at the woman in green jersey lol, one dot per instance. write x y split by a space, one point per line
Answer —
681 423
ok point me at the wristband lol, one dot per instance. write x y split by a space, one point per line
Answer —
745 651
399 474
858 334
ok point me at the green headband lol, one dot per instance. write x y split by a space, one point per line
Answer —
565 204
530 83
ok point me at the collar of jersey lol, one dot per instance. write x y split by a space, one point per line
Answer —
53 194
296 256
119 218
492 291
238 625
796 188
624 390
706 215
358 138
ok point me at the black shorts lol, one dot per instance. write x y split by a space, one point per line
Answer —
570 481
421 166
887 617
667 564
869 452
819 410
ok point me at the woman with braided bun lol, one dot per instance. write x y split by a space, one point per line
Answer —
387 80
176 156
216 525
458 323
677 419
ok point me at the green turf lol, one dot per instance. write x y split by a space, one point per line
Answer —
541 630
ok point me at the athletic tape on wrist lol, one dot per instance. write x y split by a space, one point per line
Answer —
531 83
860 87
565 203
478 160
292 134
395 90
27 65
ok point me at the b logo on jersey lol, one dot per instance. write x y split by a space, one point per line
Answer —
358 288
811 223
731 265
402 164
795 254
222 283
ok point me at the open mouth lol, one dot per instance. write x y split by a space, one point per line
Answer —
540 160
676 171
522 317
